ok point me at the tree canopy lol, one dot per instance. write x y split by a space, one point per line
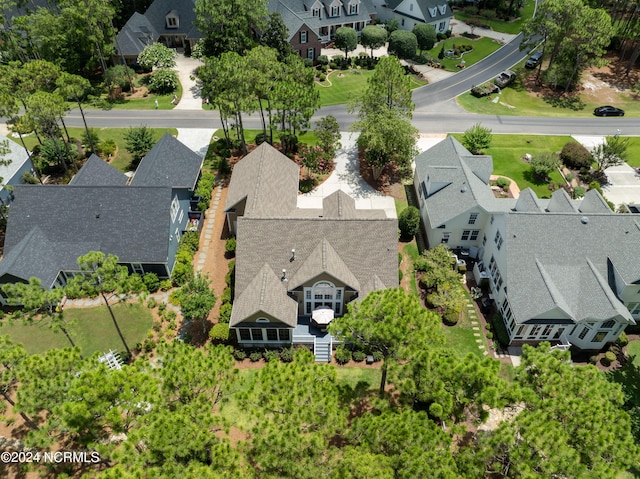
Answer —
346 39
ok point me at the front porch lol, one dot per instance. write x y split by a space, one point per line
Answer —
307 334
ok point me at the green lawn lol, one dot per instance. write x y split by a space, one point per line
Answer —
122 158
482 48
633 351
343 86
460 337
93 329
507 151
633 151
512 27
516 100
410 251
142 103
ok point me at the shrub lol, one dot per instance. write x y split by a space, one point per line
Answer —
593 359
322 77
489 335
578 192
409 222
400 275
165 285
225 313
239 354
575 156
204 190
436 410
231 273
152 282
608 358
420 264
230 246
503 183
403 44
163 81
162 307
323 60
151 303
622 340
358 356
271 355
570 177
286 355
261 138
226 295
378 356
182 272
190 240
118 76
342 355
255 356
219 332
451 317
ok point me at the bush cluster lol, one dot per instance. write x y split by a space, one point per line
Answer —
163 81
575 156
503 183
608 358
409 222
342 355
204 190
224 316
183 269
365 61
230 247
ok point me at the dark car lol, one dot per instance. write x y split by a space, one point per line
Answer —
534 60
608 111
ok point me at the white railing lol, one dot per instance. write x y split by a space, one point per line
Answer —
564 345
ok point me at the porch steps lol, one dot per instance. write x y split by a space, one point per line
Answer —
322 352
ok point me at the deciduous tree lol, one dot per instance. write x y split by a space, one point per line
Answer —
328 135
157 55
346 39
373 37
612 152
403 44
477 139
425 36
544 163
197 299
138 141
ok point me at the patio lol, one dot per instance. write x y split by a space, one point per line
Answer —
305 333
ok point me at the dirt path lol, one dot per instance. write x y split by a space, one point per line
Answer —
210 257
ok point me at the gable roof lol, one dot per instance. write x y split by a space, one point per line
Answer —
169 163
97 172
135 35
431 10
268 181
158 10
265 294
69 221
17 157
459 180
324 259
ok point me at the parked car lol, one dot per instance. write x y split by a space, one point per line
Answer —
608 110
505 78
534 60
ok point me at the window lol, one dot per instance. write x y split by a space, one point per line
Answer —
474 234
445 237
534 332
175 206
316 12
256 334
181 216
402 23
335 11
441 227
558 333
599 336
608 324
465 235
634 308
424 189
547 330
172 21
498 240
303 37
323 293
284 335
311 53
353 8
272 334
262 320
472 218
493 266
497 280
492 218
137 268
583 333
411 7
245 334
520 332
441 26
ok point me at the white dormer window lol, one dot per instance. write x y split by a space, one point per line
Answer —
443 9
316 12
335 11
172 19
433 11
353 8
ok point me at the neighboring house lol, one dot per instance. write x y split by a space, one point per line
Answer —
169 22
313 23
293 263
13 166
413 12
139 220
560 270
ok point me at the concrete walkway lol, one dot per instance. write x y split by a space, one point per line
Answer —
197 139
346 177
191 99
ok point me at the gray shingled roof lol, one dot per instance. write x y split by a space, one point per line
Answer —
560 260
458 187
426 7
97 172
158 10
267 179
135 35
169 163
363 248
593 202
56 224
266 293
528 201
17 156
560 201
324 259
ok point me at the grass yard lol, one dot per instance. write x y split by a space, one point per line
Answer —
512 27
343 86
139 102
482 48
633 151
633 351
460 337
122 158
516 100
507 150
410 251
93 329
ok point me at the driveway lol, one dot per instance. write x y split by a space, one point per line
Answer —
191 99
346 177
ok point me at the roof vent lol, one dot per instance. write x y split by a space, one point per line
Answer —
584 220
463 189
284 275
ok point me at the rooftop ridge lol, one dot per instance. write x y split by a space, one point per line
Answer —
604 285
